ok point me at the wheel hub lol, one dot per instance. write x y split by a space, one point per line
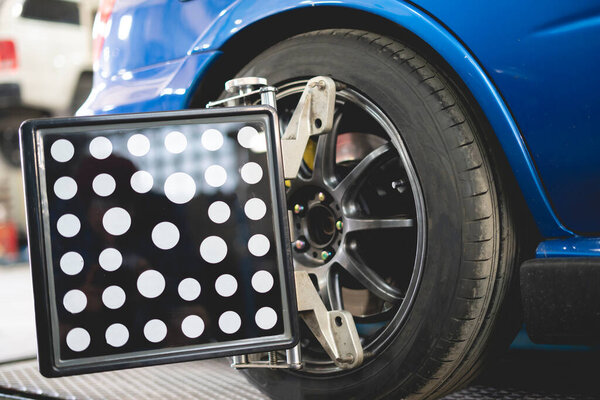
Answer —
318 225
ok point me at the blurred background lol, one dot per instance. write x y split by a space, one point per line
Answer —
45 70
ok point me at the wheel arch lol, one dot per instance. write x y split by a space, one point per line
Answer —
423 33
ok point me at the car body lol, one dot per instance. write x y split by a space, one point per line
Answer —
529 68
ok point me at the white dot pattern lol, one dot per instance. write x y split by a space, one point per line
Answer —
138 145
226 285
165 235
68 225
104 185
192 326
230 322
266 318
215 176
78 339
251 173
259 245
213 249
151 284
62 150
155 330
141 181
212 140
65 188
219 212
116 221
100 148
175 142
247 136
74 301
180 187
113 297
117 335
189 289
71 263
262 281
255 209
110 259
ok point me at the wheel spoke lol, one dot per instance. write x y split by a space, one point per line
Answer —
382 316
370 279
352 224
323 168
334 290
347 187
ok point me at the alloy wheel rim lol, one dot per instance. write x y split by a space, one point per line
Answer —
337 194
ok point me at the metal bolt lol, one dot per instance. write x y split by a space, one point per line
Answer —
399 185
325 255
339 225
321 196
298 208
300 244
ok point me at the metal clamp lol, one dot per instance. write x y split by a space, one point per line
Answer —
335 330
312 116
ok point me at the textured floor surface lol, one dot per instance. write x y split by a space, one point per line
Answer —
517 376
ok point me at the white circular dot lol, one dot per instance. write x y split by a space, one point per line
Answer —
251 173
104 185
71 263
192 326
116 221
215 175
265 318
110 259
219 212
226 285
258 245
74 301
68 225
255 209
165 235
151 283
213 249
116 335
212 140
247 136
65 188
138 145
113 297
100 147
262 281
62 150
155 330
175 142
78 339
141 181
180 187
189 289
230 322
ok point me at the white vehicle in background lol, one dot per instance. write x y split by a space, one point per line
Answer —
45 70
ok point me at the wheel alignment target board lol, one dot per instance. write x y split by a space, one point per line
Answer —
158 237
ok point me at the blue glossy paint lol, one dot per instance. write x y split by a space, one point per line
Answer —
530 67
572 247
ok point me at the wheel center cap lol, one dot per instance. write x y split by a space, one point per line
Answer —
320 223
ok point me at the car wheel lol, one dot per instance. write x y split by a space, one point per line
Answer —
400 218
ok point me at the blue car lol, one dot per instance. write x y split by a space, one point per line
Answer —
464 153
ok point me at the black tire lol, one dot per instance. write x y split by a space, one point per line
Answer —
470 250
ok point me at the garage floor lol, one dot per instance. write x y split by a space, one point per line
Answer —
518 375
